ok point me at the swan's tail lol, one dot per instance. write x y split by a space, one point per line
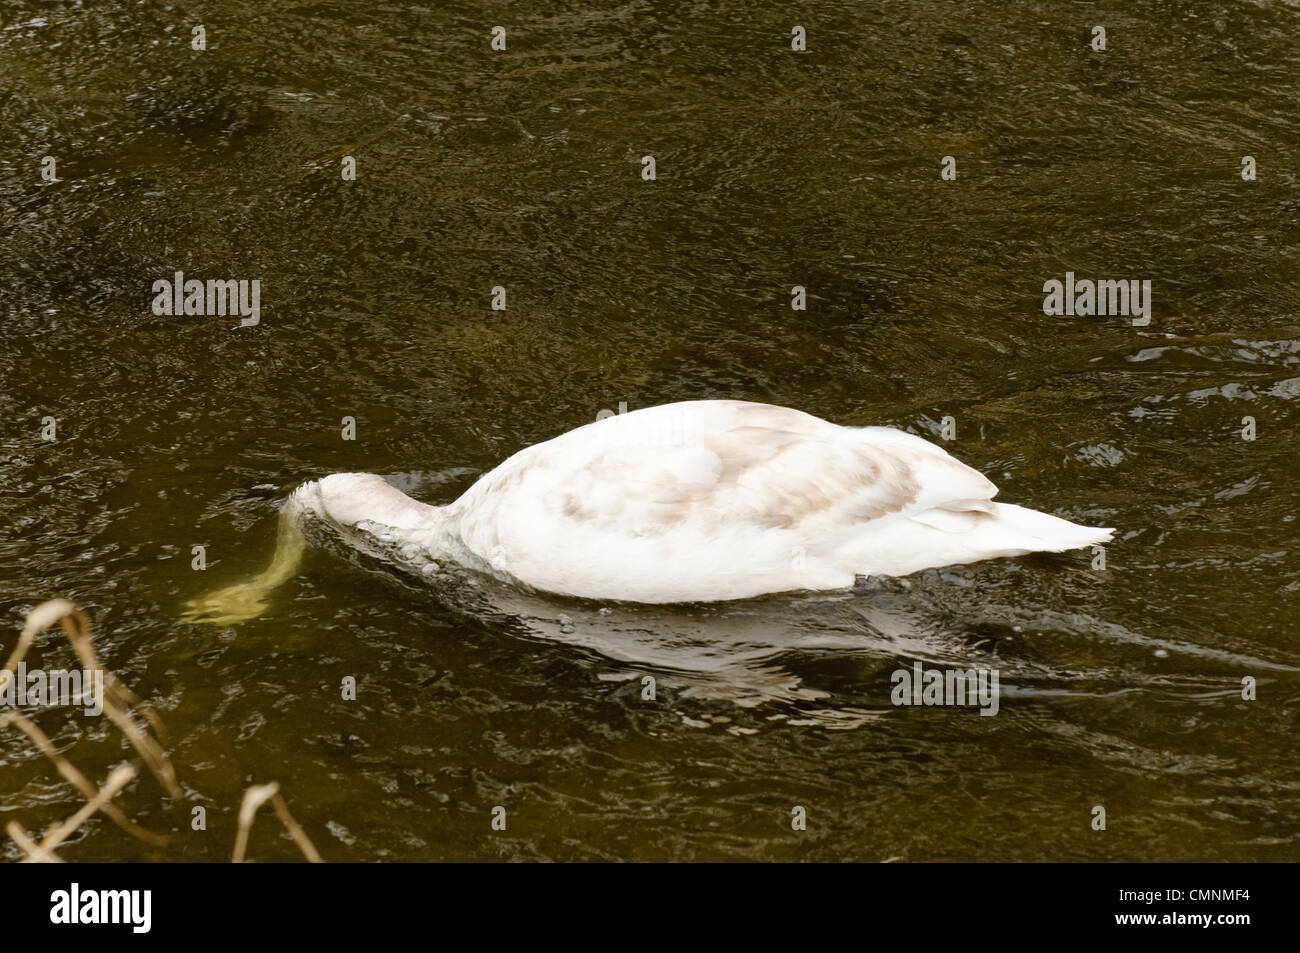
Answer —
962 532
1020 530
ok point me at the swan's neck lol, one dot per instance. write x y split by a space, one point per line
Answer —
363 502
359 505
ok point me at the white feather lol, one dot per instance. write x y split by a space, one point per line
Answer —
708 500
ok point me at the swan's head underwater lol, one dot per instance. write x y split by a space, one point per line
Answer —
698 501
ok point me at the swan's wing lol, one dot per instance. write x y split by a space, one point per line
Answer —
684 500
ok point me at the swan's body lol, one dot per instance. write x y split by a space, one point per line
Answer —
703 501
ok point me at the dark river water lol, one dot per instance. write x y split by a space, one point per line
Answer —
1120 687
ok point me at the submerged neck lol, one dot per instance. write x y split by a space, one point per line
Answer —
360 505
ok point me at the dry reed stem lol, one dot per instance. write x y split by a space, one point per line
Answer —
118 778
295 830
254 798
118 699
79 780
36 854
38 620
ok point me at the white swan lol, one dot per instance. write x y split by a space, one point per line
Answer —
688 502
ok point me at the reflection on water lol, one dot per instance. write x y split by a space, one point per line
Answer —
1120 687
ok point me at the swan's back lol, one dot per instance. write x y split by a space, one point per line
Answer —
707 500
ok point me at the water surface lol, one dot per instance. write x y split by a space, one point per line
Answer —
1121 687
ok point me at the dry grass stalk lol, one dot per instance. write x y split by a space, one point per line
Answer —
254 798
36 854
119 704
38 620
295 830
118 699
79 780
118 778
